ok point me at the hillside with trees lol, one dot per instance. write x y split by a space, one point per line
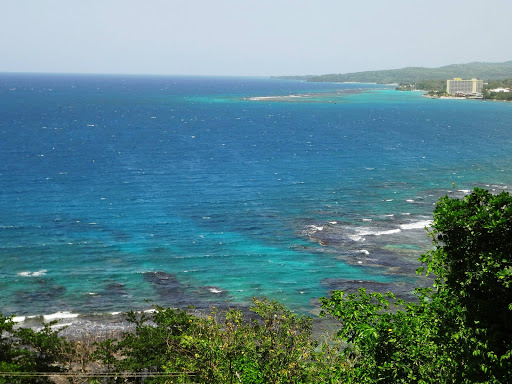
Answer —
410 75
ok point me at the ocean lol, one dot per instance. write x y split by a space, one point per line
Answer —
121 192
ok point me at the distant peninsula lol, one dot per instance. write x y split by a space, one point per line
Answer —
433 80
487 71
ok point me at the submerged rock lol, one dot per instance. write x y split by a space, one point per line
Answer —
167 287
44 290
172 293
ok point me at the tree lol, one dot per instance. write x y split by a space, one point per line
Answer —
461 331
24 350
274 346
472 261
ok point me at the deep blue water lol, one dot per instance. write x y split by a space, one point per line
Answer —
182 190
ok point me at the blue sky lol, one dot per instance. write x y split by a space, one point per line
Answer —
246 37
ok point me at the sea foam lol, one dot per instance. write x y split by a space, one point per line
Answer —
42 272
417 225
60 315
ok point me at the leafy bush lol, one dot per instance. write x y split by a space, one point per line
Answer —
458 332
24 350
276 346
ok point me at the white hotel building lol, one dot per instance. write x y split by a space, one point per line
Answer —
466 87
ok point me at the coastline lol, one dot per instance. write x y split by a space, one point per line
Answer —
461 98
98 327
271 200
74 326
446 97
379 245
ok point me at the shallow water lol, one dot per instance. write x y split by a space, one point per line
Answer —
183 191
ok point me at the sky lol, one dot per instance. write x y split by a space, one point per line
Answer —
249 37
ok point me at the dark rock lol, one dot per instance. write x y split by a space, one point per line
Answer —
167 286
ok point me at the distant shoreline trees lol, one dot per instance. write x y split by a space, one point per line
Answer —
413 75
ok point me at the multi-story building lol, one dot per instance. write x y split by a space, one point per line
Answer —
465 87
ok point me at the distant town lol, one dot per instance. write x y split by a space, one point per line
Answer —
491 81
469 89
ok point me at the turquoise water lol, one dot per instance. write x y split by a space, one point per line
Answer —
184 190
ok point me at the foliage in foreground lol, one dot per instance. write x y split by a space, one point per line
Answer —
274 347
25 350
459 332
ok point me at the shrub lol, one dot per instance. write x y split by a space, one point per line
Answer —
458 332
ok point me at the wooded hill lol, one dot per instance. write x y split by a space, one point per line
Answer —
486 71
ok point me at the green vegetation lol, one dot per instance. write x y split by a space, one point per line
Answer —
24 350
493 84
437 94
459 331
413 75
274 347
438 86
501 96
